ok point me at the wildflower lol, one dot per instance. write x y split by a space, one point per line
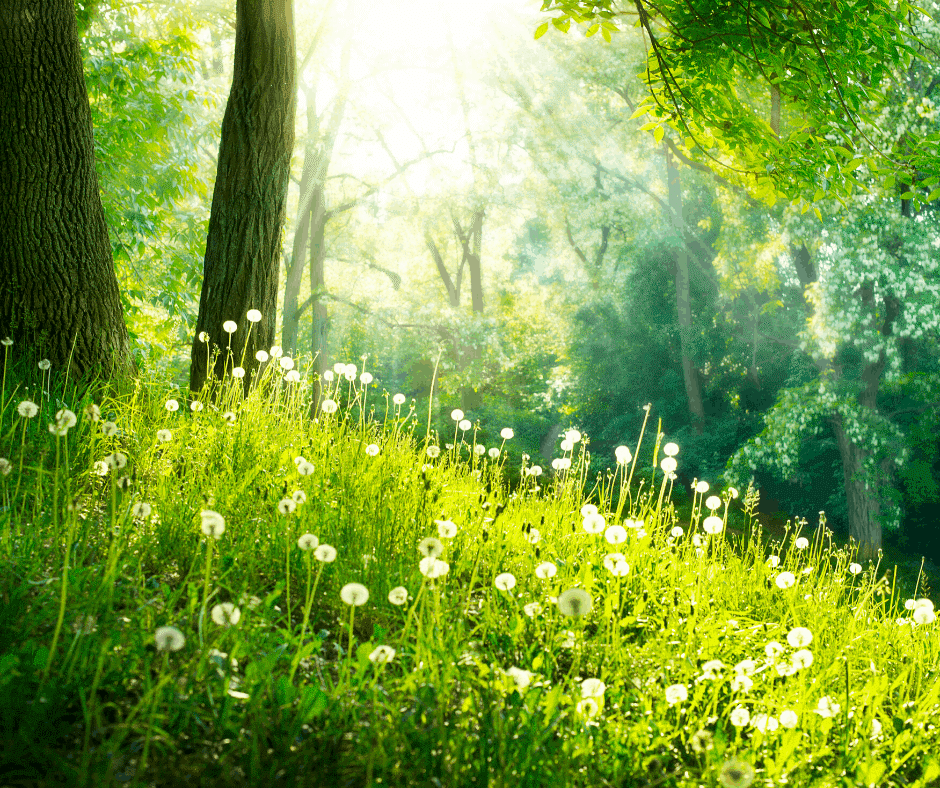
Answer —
773 561
785 669
169 639
713 502
27 409
229 417
329 406
676 693
456 414
701 487
521 678
616 564
58 429
398 595
506 433
286 363
286 505
764 722
736 774
594 523
366 378
670 449
372 449
799 637
100 468
668 465
740 717
238 373
588 707
535 470
85 625
5 466
6 341
785 580
433 451
262 356
701 741
92 412
382 654
575 602
734 492
276 351
593 688
745 667
741 683
532 609
710 669
354 594
855 568
429 546
116 460
623 455
676 531
479 449
562 464
773 649
802 543
195 406
164 436
923 612
305 468
546 570
588 509
253 315
109 429
45 364
226 614
801 659
399 399
534 536
230 326
141 509
464 424
213 524
788 718
505 581
446 529
325 553
203 337
567 445
350 373
432 567
308 542
299 497
827 707
712 525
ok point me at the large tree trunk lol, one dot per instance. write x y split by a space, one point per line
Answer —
59 296
862 498
243 247
690 375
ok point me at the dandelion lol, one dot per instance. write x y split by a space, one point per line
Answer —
305 468
588 509
446 529
923 613
566 445
798 637
100 468
710 670
575 602
740 717
622 455
535 470
431 547
308 542
505 581
372 449
789 718
65 418
785 580
6 341
701 741
262 356
801 659
588 707
802 543
399 399
713 525
855 568
27 409
382 654
195 406
116 461
124 483
141 509
546 570
276 351
299 497
506 433
827 707
532 609
213 524
432 567
668 464
286 505
45 364
736 773
521 678
169 639
398 595
109 429
594 523
493 453
58 429
229 417
593 688
745 667
676 693
479 450
230 326
561 464
5 466
764 722
676 531
433 451
616 564
366 378
226 614
253 315
534 536
773 561
238 373
464 424
325 553
286 363
329 406
713 502
350 373
670 449
92 412
573 436
164 436
354 594
203 337
773 649
701 487
741 683
456 414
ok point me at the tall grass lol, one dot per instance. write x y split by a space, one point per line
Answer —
232 592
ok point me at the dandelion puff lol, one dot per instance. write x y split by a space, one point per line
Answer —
229 417
464 424
431 547
109 429
203 337
713 502
456 414
325 553
433 451
801 659
6 341
855 568
276 351
521 678
286 363
493 453
668 464
92 412
172 405
262 356
169 639
213 524
506 433
372 449
741 683
573 436
622 455
446 529
253 315
535 470
432 567
594 523
58 429
546 570
740 717
398 595
354 594
399 399
100 468
230 326
299 497
676 531
670 449
789 718
366 378
532 609
308 542
802 543
773 649
588 509
701 487
566 445
226 614
785 580
141 509
164 436
616 564
773 561
676 693
329 406
616 534
292 377
44 364
381 655
713 525
798 637
238 373
736 773
534 536
588 707
27 409
195 406
116 460
286 505
505 581
593 688
575 602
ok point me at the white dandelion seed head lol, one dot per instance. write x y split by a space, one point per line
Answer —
616 564
575 602
594 523
740 717
329 406
286 505
505 581
789 718
253 316
456 414
588 707
44 364
593 688
799 637
399 399
366 378
109 429
506 433
262 356
354 594
713 502
713 524
195 406
855 568
446 529
65 418
493 453
27 409
773 561
433 451
238 373
308 542
305 468
532 609
325 553
521 678
801 543
141 509
286 363
464 424
398 595
230 326
93 412
299 497
213 524
668 464
573 436
276 351
431 547
785 580
381 655
226 614
566 445
372 449
169 639
676 693
546 570
622 455
172 405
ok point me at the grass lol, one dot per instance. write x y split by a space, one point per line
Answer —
184 600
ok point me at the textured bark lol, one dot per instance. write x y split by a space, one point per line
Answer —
59 296
243 247
690 375
863 505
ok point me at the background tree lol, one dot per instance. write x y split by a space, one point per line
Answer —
58 293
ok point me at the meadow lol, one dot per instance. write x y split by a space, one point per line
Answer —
275 590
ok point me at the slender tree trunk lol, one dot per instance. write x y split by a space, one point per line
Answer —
474 262
320 319
248 204
862 498
59 296
690 375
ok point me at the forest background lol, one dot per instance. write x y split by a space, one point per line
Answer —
475 207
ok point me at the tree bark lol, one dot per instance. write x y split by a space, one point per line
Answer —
862 500
690 375
59 297
243 247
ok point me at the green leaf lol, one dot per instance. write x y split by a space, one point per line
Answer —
640 111
541 30
592 30
606 34
907 195
933 195
659 132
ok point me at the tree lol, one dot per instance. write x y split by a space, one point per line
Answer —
241 266
58 293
